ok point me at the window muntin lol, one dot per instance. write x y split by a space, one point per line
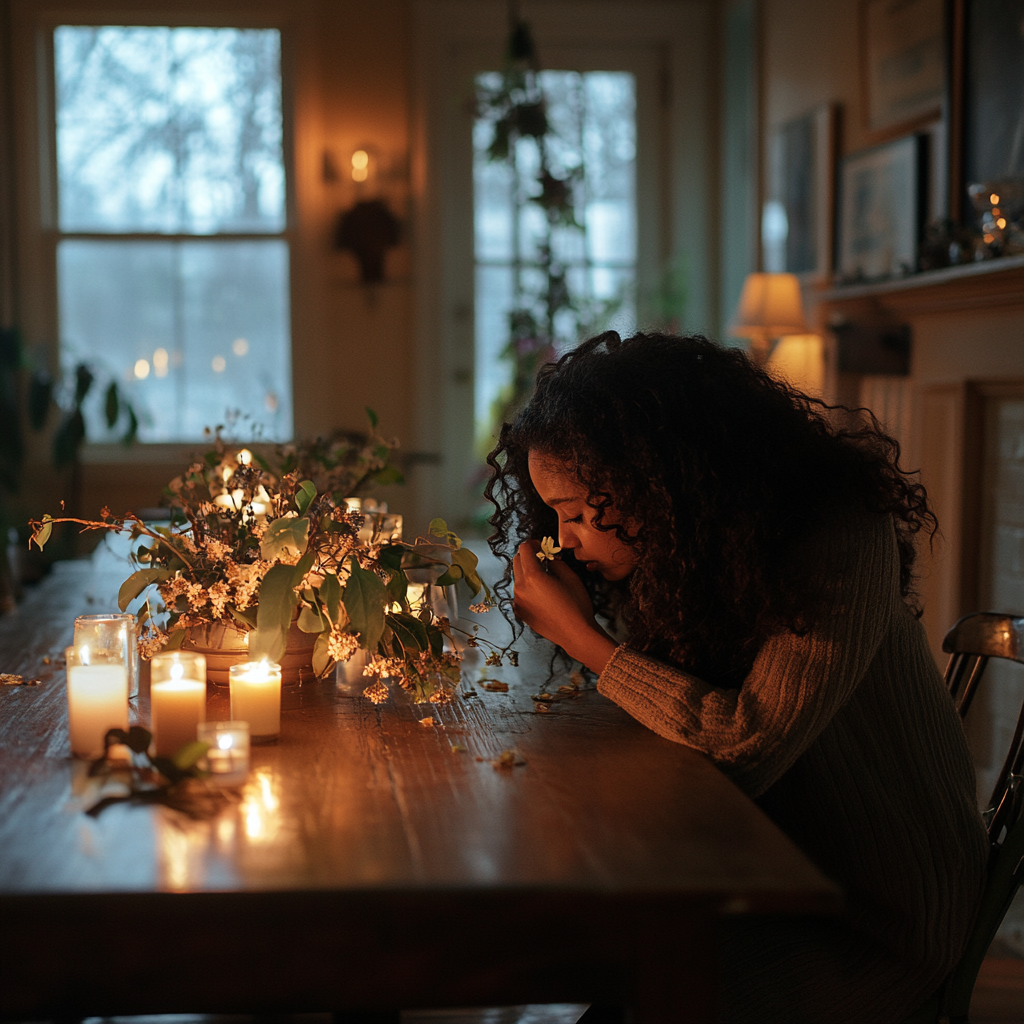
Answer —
174 132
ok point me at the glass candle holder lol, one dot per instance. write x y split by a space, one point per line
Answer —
227 760
111 631
178 699
348 675
97 698
255 689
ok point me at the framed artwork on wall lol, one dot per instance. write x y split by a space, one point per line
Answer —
796 223
902 64
881 210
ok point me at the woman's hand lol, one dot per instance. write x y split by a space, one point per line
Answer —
557 605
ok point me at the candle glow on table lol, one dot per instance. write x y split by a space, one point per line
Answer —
178 702
97 698
227 759
255 688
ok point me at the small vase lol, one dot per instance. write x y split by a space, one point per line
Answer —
226 644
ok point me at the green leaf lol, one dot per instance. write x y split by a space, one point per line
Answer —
451 577
186 756
175 640
83 382
436 638
321 659
388 475
372 417
467 562
310 621
246 618
261 462
305 494
330 594
398 586
365 598
137 583
132 430
409 631
112 405
285 538
390 556
274 616
136 738
438 528
42 535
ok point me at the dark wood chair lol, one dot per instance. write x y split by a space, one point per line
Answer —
971 644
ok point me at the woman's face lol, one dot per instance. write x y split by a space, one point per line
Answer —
599 550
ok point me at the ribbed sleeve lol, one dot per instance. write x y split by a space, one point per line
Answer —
797 684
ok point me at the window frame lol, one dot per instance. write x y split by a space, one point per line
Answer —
38 229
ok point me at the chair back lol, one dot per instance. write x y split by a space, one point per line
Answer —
971 643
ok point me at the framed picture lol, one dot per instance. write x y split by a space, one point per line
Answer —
796 223
903 64
881 210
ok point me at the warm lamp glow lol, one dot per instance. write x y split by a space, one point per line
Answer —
799 360
770 306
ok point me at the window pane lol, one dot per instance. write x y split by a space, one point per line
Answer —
195 331
550 272
169 129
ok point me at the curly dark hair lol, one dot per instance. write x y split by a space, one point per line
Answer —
723 468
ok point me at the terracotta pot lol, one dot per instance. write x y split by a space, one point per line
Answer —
225 645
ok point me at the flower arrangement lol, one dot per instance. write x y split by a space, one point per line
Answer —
261 550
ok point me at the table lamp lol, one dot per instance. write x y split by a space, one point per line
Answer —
770 306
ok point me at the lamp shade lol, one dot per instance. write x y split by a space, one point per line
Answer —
770 306
799 360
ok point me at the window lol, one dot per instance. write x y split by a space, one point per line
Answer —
172 257
554 227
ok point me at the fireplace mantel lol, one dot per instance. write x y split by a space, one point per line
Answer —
986 284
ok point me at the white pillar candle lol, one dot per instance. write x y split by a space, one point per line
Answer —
255 688
97 699
178 699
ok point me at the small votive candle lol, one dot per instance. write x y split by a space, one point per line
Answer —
97 698
112 631
255 688
177 699
227 760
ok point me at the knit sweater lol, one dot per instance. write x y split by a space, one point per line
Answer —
848 740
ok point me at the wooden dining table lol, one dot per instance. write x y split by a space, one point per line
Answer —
490 852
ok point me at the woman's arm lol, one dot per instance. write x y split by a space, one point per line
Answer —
552 601
797 684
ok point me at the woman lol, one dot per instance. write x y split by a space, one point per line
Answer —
759 560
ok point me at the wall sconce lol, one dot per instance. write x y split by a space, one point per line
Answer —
367 230
770 307
367 227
